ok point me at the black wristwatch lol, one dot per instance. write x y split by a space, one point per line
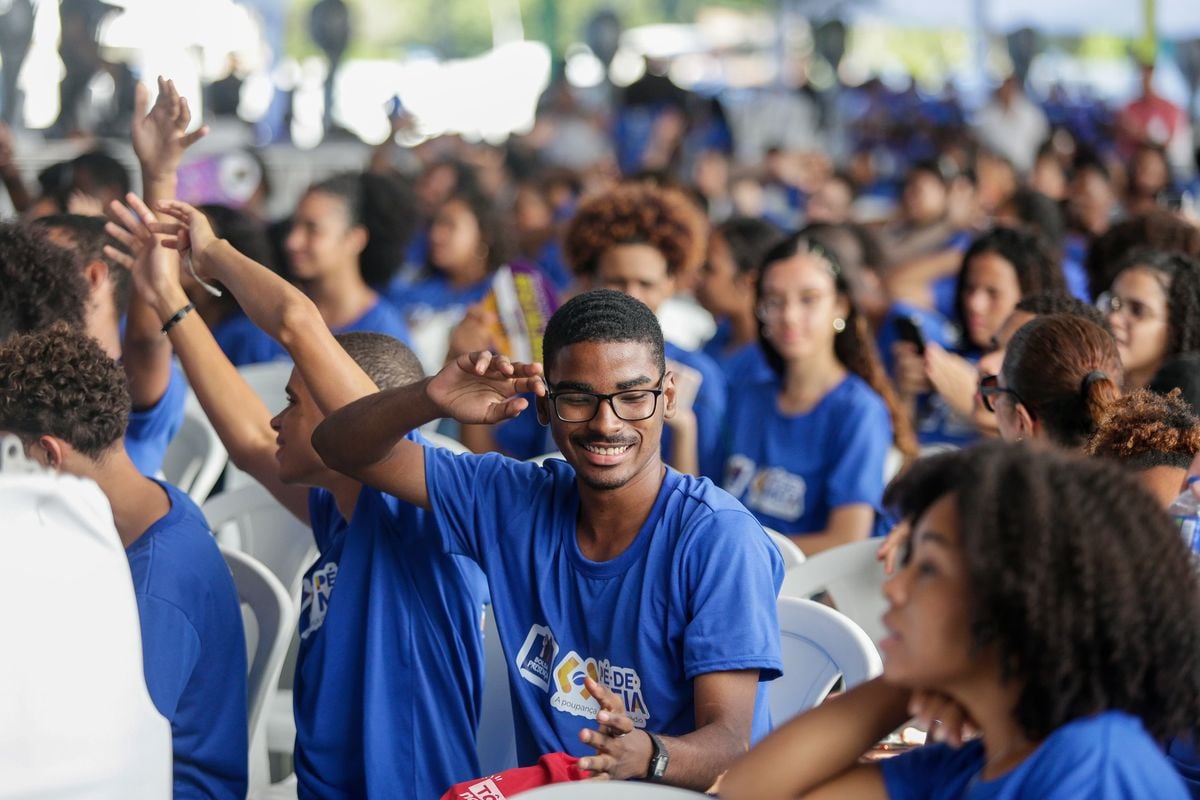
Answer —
658 759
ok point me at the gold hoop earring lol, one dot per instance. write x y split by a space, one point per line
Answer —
839 324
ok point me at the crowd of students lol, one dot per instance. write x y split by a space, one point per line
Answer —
706 375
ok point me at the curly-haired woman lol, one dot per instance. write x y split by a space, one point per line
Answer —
1023 599
806 440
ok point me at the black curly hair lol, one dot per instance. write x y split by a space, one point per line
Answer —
1155 230
1078 580
87 239
603 315
59 382
1179 277
854 346
39 284
1145 429
387 207
1043 303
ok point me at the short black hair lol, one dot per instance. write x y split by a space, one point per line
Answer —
39 283
1077 579
88 240
105 170
603 315
748 239
387 361
1041 304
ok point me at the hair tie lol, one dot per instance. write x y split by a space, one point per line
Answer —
1089 379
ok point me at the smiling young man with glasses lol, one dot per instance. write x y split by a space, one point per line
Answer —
635 604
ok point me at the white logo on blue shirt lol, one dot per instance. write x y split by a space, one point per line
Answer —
572 696
772 490
315 601
536 656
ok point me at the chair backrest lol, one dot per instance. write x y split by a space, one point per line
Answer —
818 645
793 556
269 622
442 440
852 576
608 790
195 457
251 520
496 741
268 380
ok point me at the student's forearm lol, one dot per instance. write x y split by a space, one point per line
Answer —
819 745
17 192
365 432
697 759
146 353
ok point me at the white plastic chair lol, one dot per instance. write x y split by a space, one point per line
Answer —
195 457
852 576
793 556
496 741
269 381
269 623
442 440
818 645
250 519
608 790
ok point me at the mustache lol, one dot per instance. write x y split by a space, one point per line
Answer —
599 441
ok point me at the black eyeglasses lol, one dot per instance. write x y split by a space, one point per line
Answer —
989 387
631 405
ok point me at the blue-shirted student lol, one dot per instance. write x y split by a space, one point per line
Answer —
806 441
389 672
1070 670
68 401
635 604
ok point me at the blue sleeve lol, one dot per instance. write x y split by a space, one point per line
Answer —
170 648
1181 752
321 509
469 494
931 772
522 436
150 430
857 475
733 572
710 420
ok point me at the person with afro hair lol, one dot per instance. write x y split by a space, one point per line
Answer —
644 240
67 401
1047 601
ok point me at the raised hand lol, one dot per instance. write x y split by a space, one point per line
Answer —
191 235
160 134
155 277
481 388
619 755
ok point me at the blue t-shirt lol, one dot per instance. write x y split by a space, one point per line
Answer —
791 471
151 430
243 342
1181 752
709 408
433 294
193 649
1105 757
389 675
694 593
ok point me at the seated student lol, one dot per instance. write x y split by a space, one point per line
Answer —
1060 375
806 443
999 268
346 238
69 404
468 242
726 290
1154 311
1067 665
636 604
385 612
1153 435
157 409
636 239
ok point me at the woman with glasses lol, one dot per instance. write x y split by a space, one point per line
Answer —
806 441
1060 375
1049 597
1154 310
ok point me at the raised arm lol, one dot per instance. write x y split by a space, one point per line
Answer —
366 438
238 414
159 140
815 755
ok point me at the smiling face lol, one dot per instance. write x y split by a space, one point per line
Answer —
929 642
608 452
1140 323
322 240
294 425
990 292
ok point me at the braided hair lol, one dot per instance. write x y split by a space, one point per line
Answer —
1077 579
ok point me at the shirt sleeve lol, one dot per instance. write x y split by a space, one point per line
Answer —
932 771
151 429
170 649
710 421
733 574
471 495
857 474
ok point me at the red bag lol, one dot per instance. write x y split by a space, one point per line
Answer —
551 768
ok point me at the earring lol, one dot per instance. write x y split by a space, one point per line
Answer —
839 324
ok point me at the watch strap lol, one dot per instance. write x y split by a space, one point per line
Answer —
658 759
